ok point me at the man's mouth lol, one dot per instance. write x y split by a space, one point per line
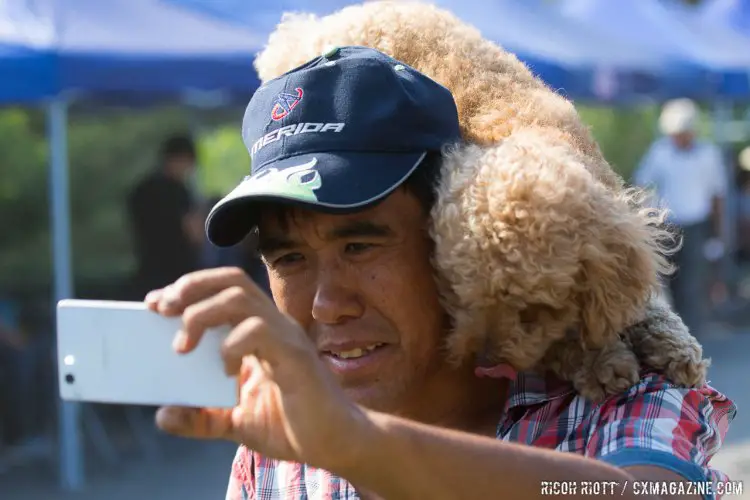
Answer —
357 352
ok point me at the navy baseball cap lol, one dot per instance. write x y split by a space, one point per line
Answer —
337 134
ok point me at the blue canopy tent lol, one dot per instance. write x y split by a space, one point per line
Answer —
596 65
661 27
732 13
118 47
55 51
618 69
730 47
20 65
571 56
731 16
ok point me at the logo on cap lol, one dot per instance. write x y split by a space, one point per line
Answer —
285 103
298 182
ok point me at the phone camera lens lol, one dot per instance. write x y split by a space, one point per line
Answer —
69 378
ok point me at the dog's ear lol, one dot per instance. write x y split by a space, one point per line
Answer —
532 245
621 264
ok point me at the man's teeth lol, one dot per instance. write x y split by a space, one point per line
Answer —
356 353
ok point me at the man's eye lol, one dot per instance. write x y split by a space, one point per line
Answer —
287 259
358 247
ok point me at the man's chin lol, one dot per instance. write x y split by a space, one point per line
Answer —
375 397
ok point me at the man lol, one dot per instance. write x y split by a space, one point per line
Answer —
689 178
347 392
166 221
743 206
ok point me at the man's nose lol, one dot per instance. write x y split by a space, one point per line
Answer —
337 298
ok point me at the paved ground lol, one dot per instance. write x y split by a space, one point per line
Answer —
730 373
198 471
188 471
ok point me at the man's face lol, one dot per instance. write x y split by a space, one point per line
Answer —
683 140
181 166
362 287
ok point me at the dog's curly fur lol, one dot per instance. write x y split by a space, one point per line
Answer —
544 258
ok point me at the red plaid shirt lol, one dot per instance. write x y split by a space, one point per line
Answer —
654 423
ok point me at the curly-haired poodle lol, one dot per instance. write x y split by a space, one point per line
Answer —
545 259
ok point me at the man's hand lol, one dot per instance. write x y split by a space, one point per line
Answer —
290 406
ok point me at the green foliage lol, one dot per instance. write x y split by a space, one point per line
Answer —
24 242
622 134
224 160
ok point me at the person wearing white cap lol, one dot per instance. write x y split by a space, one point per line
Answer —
689 178
742 207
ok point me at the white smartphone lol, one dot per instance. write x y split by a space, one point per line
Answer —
121 352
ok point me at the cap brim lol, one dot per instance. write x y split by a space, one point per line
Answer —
328 182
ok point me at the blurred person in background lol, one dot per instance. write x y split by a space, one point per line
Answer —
12 344
24 359
166 217
743 207
688 177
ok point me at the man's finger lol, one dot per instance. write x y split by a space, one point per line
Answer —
194 287
152 299
266 343
244 341
200 423
228 307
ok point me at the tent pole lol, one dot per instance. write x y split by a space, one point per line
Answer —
70 443
722 117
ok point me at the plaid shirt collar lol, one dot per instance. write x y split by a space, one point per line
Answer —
531 388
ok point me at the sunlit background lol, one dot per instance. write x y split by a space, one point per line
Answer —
90 88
